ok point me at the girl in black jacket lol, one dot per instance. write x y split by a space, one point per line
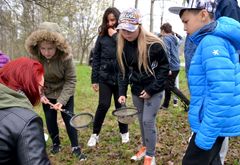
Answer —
104 74
144 64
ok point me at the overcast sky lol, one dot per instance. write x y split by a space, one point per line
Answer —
144 7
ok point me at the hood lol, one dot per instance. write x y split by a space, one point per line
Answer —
48 31
224 27
10 98
229 29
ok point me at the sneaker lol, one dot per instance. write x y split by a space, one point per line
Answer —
93 140
125 137
175 105
164 108
141 153
56 148
148 160
76 151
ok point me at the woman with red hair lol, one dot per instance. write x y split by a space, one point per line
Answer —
21 129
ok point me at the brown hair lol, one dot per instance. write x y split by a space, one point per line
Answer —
167 28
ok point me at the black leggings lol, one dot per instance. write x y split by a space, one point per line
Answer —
51 120
105 94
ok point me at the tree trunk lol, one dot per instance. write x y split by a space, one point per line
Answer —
136 4
151 15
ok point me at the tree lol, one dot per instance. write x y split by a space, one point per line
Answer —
79 20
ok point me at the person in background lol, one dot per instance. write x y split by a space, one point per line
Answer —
175 98
214 66
50 48
172 46
227 8
21 129
105 73
3 59
144 65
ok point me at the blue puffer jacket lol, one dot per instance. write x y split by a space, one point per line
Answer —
214 81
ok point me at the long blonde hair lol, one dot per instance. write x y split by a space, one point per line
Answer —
144 38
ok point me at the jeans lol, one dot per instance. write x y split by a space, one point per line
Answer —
148 109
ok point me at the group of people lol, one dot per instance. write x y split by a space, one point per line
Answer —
125 54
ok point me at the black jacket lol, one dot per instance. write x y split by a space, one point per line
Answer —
139 81
104 66
21 140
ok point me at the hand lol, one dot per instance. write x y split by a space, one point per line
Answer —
111 31
44 100
144 95
122 99
57 106
95 87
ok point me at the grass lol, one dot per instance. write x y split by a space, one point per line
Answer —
172 126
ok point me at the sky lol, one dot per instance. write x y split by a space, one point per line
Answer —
144 7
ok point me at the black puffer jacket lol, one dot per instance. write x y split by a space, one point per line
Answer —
139 81
21 140
104 66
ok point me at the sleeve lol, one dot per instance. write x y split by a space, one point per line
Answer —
69 82
96 62
167 44
31 147
220 80
160 66
123 80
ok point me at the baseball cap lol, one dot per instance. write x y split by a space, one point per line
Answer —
209 5
129 20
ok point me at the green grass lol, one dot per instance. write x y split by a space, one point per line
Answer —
172 126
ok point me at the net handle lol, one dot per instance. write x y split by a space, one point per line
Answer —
70 114
73 116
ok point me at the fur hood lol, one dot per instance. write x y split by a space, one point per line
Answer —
48 31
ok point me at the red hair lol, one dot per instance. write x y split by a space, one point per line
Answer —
23 74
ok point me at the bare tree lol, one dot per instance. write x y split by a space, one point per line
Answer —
79 20
136 4
151 15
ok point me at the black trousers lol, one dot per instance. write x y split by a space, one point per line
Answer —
105 94
51 121
196 156
169 84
